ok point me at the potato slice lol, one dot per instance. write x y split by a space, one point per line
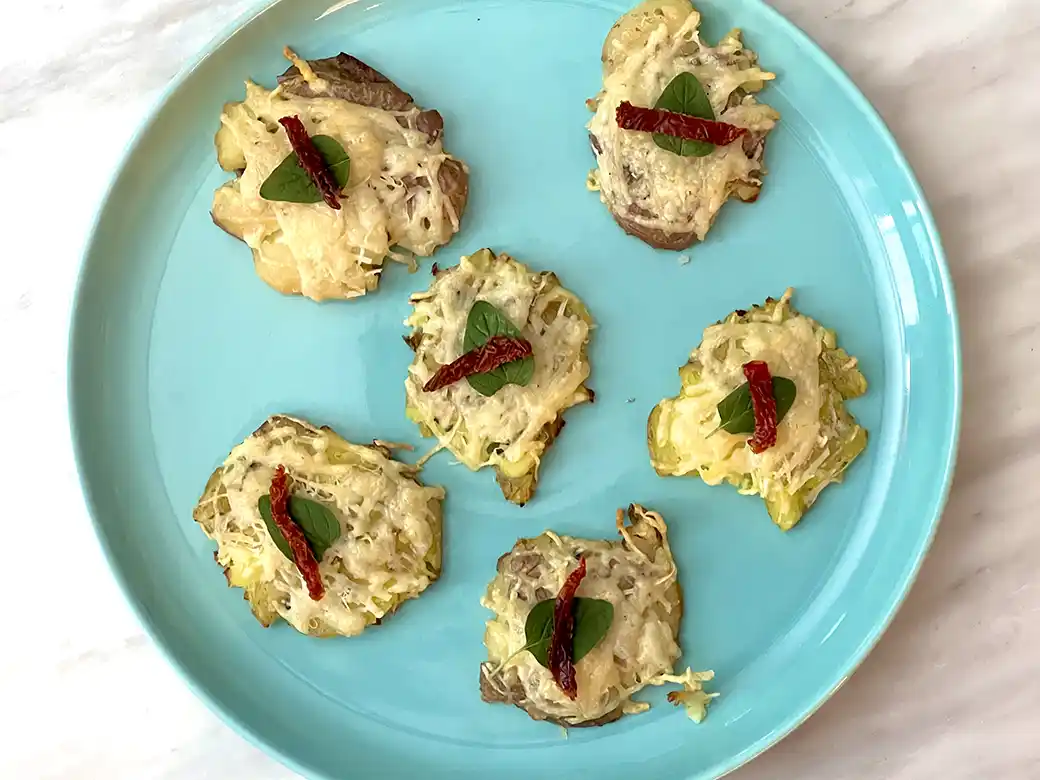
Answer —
666 199
404 193
389 544
513 429
817 439
637 575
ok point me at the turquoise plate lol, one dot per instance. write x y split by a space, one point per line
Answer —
178 351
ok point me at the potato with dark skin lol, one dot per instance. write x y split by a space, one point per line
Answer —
667 199
350 79
623 572
628 219
328 81
516 695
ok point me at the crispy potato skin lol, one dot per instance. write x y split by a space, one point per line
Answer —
636 24
350 79
676 241
520 490
655 237
454 181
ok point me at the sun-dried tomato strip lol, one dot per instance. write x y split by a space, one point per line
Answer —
311 160
498 351
561 643
763 403
303 557
657 120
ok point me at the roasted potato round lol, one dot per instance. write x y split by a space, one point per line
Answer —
403 190
512 429
637 576
817 439
381 539
666 198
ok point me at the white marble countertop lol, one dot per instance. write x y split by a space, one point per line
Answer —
953 689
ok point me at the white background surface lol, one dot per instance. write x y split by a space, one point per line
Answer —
952 691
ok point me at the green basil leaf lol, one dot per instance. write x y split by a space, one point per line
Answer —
318 523
538 630
290 183
737 415
685 95
592 619
264 505
516 372
483 322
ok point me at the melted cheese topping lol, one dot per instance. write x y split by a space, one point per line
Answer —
648 48
792 350
503 429
638 576
393 196
816 438
389 548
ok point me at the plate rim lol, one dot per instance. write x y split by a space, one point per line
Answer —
947 463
